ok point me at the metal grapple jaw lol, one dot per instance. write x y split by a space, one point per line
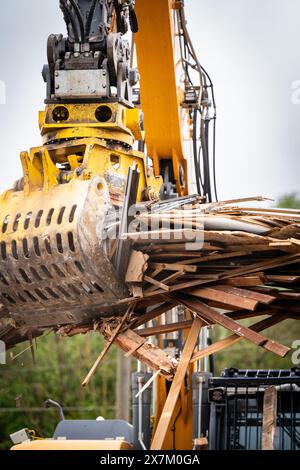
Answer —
54 266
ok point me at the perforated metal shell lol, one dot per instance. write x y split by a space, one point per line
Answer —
53 268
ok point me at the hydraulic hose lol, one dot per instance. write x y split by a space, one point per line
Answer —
69 18
79 18
195 152
90 19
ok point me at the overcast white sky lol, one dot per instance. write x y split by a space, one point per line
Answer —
251 50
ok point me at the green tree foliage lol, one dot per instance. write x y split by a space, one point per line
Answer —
290 201
61 365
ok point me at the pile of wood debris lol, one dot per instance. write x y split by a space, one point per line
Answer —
223 262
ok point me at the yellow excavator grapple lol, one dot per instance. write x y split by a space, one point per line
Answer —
55 264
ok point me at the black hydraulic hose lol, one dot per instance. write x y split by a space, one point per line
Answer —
199 167
190 44
212 88
214 160
206 170
120 23
70 18
79 18
90 19
134 25
195 152
207 122
203 144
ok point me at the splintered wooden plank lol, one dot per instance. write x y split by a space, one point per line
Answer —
216 257
167 280
225 297
269 418
233 339
253 248
173 277
215 317
250 269
170 404
163 329
220 204
156 283
175 267
263 265
248 294
282 279
108 346
246 281
148 354
137 266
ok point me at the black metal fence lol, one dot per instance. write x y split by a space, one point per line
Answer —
237 399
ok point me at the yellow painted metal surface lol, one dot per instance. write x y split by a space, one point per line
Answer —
72 445
79 152
88 147
123 124
161 89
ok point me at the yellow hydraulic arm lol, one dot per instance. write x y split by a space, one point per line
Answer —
162 88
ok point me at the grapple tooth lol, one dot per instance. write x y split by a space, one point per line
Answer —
53 266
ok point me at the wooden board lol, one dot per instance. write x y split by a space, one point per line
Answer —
212 315
269 418
233 339
150 355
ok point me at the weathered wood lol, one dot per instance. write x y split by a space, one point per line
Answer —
107 347
247 294
148 354
269 418
135 348
137 266
137 290
156 283
233 339
282 279
246 281
163 329
175 267
201 443
173 277
170 404
208 313
225 297
216 257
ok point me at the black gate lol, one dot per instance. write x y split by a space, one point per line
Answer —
237 399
